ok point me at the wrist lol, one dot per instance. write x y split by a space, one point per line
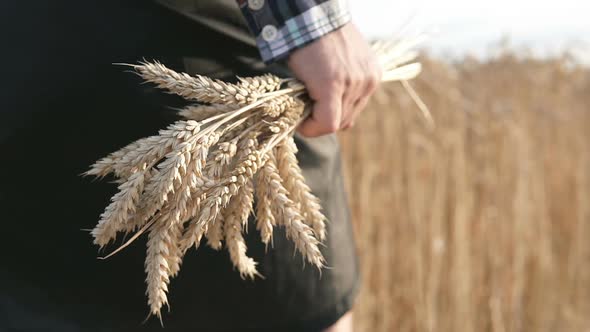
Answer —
280 30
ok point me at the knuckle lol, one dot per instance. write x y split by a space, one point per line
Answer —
348 125
334 85
373 82
332 127
337 77
349 80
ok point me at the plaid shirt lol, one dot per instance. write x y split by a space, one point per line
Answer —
281 26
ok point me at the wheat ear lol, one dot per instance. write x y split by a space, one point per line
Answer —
149 151
236 217
261 84
274 108
157 268
117 213
199 88
215 233
286 211
298 190
265 220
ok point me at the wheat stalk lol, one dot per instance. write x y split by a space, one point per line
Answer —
202 112
196 178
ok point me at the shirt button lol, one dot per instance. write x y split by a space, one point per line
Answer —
255 4
269 33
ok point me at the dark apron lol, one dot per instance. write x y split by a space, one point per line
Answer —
64 105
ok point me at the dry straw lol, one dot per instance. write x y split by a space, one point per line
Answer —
198 178
481 224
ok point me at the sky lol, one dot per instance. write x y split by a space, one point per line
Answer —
473 26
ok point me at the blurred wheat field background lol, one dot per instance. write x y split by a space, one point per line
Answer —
482 222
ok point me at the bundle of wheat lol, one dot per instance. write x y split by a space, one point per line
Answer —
198 177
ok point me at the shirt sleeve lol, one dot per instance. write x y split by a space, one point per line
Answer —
281 26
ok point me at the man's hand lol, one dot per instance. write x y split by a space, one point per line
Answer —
340 73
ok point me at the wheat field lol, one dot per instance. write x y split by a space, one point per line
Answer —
482 222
